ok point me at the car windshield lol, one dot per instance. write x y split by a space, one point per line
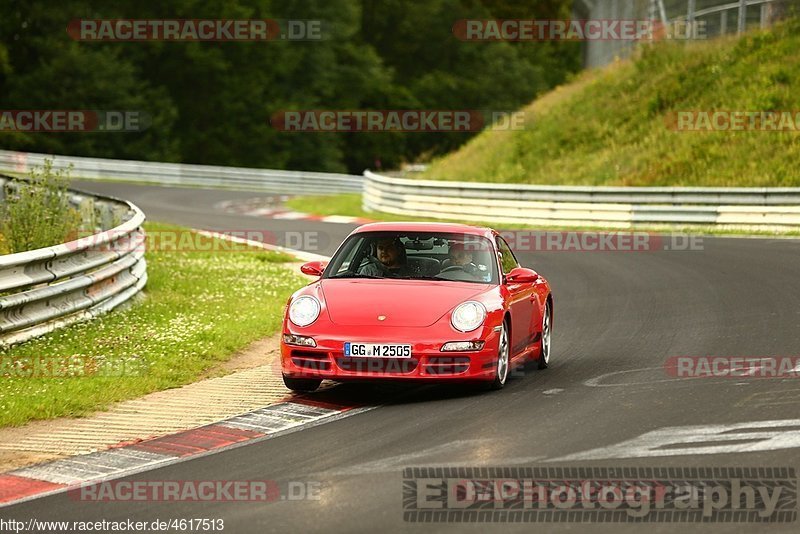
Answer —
415 256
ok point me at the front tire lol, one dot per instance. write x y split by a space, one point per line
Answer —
301 385
547 334
503 359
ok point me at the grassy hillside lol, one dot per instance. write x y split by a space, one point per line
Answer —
609 127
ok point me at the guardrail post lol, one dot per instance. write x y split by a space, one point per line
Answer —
742 16
87 212
723 22
764 22
690 9
663 12
105 214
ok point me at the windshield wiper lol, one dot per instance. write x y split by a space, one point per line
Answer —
356 275
441 279
423 278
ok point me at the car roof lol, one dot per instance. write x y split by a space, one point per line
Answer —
447 228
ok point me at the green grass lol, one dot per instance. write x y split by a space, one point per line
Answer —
609 127
341 204
350 204
199 308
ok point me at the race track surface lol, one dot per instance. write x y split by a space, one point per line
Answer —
619 317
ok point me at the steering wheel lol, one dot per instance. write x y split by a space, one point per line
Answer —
369 259
452 268
386 273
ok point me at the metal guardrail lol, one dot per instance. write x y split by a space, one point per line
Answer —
240 178
739 7
612 207
44 289
718 17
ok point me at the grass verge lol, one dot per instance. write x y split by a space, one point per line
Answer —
199 308
350 204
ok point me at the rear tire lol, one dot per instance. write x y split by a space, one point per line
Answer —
547 333
301 385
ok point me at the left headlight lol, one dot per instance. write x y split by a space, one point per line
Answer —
304 310
468 316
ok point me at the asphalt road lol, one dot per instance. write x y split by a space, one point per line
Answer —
619 317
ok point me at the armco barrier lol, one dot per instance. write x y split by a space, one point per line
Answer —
44 289
180 174
775 209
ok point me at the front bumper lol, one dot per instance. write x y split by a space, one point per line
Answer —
427 362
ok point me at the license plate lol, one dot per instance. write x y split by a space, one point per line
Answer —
376 350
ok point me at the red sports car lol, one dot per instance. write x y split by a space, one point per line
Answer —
416 301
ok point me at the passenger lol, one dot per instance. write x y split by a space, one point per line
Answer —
460 256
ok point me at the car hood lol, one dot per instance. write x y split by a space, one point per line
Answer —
405 303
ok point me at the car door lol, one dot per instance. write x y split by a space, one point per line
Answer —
522 299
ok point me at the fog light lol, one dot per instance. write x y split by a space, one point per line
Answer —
462 346
302 341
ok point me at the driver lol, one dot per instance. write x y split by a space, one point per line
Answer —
392 259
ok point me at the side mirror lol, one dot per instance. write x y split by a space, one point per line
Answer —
521 275
313 268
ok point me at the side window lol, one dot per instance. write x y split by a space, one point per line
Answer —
507 259
355 252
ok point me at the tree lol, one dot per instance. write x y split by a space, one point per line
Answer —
211 102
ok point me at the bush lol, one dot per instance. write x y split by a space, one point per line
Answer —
36 212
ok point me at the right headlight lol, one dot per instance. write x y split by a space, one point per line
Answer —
304 310
468 316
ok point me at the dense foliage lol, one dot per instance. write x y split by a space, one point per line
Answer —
36 212
211 102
